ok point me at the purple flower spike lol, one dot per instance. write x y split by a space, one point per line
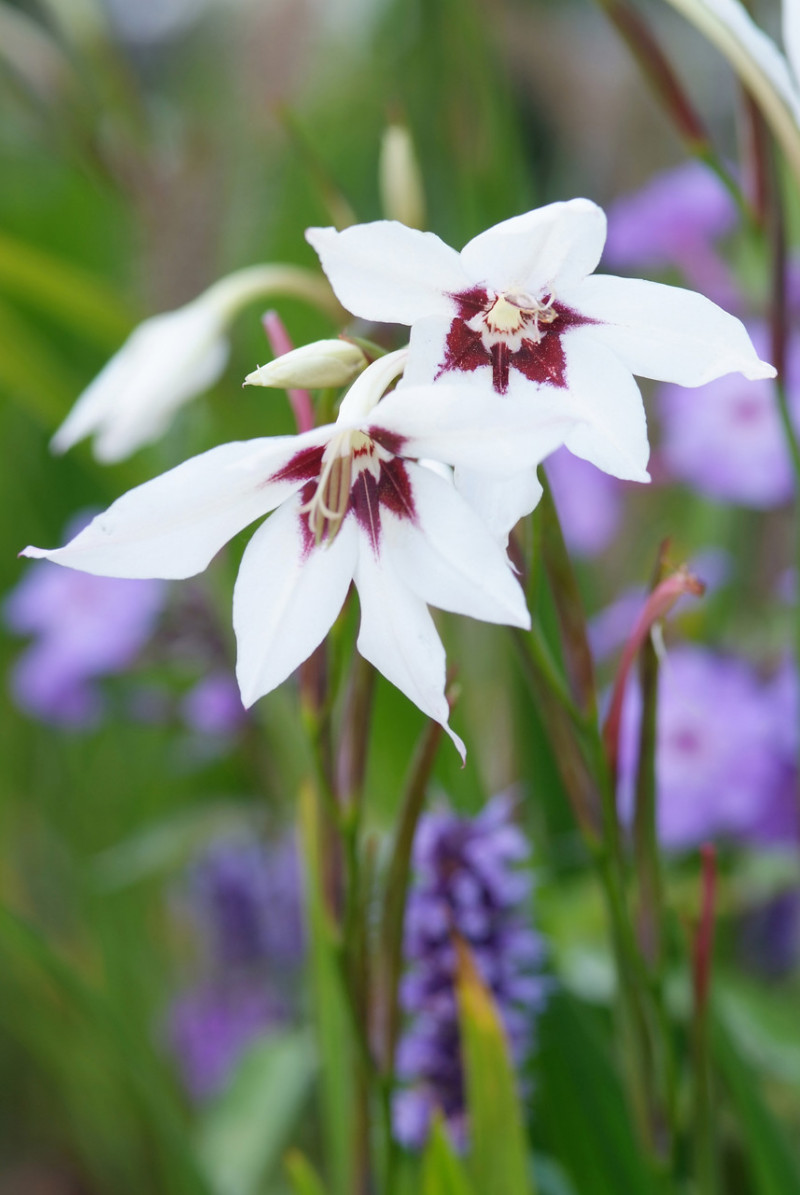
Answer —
589 502
84 627
674 220
716 764
467 881
726 439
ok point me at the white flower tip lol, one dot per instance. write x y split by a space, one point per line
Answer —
321 364
458 743
318 236
34 553
762 369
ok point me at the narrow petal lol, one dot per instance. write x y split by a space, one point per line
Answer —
398 636
545 249
500 501
469 426
665 332
172 526
286 598
387 272
450 559
609 426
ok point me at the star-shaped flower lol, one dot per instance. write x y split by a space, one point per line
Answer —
520 315
351 503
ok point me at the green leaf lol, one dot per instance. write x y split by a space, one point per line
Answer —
63 291
581 1117
774 1164
443 1172
334 1032
241 1136
498 1154
31 373
302 1175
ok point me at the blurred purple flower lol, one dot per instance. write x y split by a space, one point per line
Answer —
726 440
468 880
716 764
777 819
214 706
245 900
589 502
673 221
84 627
210 1028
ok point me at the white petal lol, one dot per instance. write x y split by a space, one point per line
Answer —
547 248
450 559
791 34
500 501
398 636
609 426
666 332
173 525
166 361
286 598
470 426
387 272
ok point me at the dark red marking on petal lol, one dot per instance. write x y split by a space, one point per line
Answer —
472 302
391 441
365 505
306 494
464 350
303 466
501 359
394 490
543 363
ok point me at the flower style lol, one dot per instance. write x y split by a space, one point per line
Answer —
353 504
520 315
171 358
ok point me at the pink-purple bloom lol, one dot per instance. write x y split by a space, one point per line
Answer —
674 220
468 880
726 439
83 628
716 763
214 706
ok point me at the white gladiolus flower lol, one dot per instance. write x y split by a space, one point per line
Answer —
171 358
352 503
520 317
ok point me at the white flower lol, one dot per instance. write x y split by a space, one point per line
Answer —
169 359
519 315
351 503
772 78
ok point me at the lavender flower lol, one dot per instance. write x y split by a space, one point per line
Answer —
466 881
245 901
84 627
715 754
214 706
673 221
210 1027
726 439
589 502
777 819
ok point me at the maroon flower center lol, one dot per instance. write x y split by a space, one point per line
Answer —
510 331
353 474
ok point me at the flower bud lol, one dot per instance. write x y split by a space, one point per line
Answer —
402 194
323 363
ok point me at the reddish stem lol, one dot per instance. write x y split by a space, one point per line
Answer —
657 606
280 343
704 937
